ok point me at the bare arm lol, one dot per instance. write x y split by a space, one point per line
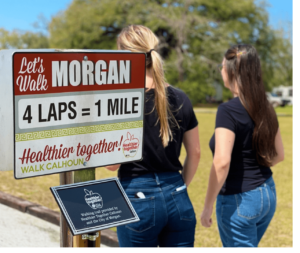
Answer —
224 140
279 149
192 146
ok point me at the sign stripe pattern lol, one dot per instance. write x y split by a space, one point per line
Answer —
77 130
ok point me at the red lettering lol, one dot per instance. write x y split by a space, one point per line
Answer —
100 145
110 146
59 152
70 150
89 152
32 157
45 153
116 144
95 149
39 157
50 152
78 148
25 158
54 153
64 153
104 147
83 149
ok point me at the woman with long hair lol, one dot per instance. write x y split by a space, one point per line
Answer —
245 144
155 186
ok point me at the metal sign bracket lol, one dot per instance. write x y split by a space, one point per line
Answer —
90 237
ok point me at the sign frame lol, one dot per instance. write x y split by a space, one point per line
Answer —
73 52
54 191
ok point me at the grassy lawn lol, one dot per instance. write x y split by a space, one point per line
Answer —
286 110
280 231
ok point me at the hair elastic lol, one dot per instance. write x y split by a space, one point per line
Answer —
240 53
149 53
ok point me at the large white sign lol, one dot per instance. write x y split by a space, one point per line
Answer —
75 110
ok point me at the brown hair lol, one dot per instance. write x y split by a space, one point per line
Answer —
138 38
242 66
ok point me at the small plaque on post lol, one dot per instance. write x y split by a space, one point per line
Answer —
94 205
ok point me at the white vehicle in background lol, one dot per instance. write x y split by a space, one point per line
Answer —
274 100
285 93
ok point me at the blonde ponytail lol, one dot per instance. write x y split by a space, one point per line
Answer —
138 38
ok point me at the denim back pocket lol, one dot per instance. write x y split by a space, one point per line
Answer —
273 189
184 205
145 209
250 203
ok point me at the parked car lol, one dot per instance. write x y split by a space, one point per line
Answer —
284 92
276 101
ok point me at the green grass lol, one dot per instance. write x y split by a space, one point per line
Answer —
278 234
206 106
285 110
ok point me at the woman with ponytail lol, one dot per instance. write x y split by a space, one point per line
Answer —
155 186
246 143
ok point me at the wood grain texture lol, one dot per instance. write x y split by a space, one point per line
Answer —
66 237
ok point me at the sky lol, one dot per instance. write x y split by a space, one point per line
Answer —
22 14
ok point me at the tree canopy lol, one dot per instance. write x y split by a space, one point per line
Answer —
194 35
22 40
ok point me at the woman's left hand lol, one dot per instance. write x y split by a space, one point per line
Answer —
206 220
113 167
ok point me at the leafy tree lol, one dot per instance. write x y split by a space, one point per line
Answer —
194 35
22 40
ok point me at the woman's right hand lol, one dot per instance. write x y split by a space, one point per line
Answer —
206 219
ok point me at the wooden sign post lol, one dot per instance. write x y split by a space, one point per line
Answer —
66 238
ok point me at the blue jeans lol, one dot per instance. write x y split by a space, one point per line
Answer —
167 217
243 218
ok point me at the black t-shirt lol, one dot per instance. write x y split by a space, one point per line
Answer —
156 158
245 173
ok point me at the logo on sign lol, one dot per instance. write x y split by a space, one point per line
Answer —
94 200
130 146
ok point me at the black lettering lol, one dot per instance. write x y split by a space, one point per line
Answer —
121 106
126 112
99 107
112 108
40 114
62 107
52 112
134 104
72 103
27 114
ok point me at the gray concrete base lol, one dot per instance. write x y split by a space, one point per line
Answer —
24 230
16 212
